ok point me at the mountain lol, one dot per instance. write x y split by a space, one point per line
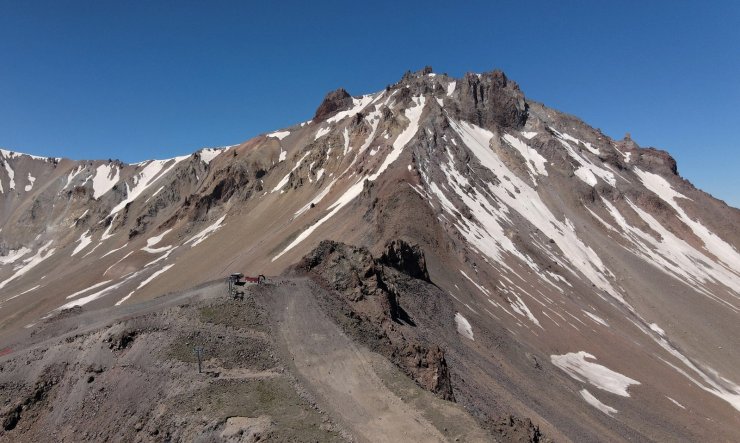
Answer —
529 263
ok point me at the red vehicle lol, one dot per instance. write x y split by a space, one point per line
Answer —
259 279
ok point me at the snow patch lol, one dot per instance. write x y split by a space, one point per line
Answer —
596 318
14 255
463 326
674 256
593 401
522 309
11 174
586 176
675 402
204 234
345 134
96 295
13 154
153 241
22 293
725 252
584 162
84 240
106 176
208 154
657 329
31 180
284 181
42 254
145 282
322 132
588 146
88 289
481 288
358 105
535 162
74 173
152 171
320 196
279 134
575 365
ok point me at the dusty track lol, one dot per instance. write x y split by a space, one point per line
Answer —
342 375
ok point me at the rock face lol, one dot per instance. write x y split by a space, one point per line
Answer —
335 101
491 98
371 293
405 258
428 367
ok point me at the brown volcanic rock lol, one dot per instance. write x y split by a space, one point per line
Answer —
369 309
405 258
492 98
334 102
657 160
428 367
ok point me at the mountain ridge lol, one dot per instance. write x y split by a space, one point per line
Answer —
572 253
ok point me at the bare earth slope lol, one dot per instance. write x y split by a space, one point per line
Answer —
274 366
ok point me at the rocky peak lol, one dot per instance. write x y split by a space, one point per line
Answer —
408 75
492 99
658 161
335 101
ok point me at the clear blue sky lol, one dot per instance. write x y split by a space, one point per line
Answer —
142 79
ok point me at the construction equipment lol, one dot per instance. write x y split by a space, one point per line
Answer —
237 281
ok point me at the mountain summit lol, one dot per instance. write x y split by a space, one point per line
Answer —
576 280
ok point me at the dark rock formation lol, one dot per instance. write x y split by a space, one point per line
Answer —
657 161
428 368
405 258
513 428
334 102
492 99
369 305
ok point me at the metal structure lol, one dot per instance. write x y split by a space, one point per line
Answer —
199 353
237 281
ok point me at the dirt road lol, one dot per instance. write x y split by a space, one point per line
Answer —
340 373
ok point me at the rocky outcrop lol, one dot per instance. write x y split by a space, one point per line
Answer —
513 428
428 368
657 160
369 305
492 99
334 102
405 258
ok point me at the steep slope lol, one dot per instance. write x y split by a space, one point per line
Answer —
594 289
